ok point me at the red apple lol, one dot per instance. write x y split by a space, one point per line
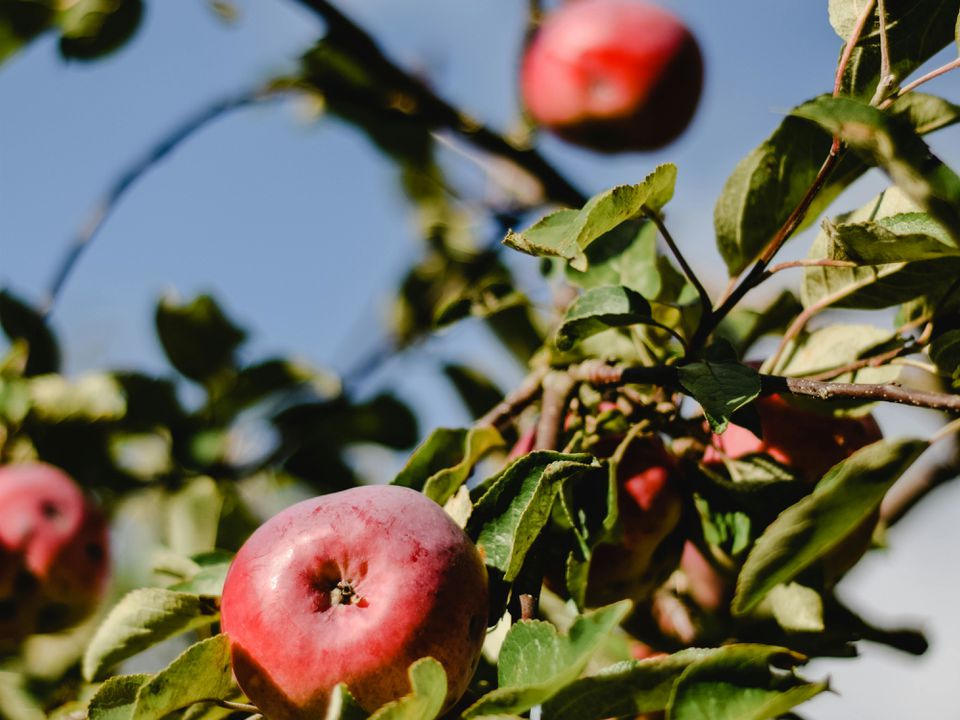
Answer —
806 441
54 564
650 506
612 75
353 587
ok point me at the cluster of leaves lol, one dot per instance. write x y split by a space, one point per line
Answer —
766 532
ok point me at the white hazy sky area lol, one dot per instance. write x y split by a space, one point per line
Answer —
300 230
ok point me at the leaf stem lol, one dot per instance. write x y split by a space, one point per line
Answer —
684 265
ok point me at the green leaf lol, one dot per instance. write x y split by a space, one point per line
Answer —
945 353
22 322
428 691
536 661
193 514
626 688
343 706
141 619
89 398
916 252
516 504
568 233
796 608
916 31
846 496
208 578
116 698
721 388
769 183
893 145
628 256
444 461
201 672
20 22
735 683
600 309
94 28
198 339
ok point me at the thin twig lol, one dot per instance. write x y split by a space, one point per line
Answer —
684 265
800 322
887 78
134 172
438 113
862 20
868 362
516 401
909 87
230 705
810 262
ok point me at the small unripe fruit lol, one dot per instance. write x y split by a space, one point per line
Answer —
353 587
612 75
54 549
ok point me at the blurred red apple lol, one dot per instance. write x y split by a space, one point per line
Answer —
353 587
612 75
53 549
805 441
650 506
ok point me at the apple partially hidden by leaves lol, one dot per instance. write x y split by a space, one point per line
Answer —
810 444
650 506
612 75
54 551
807 442
353 587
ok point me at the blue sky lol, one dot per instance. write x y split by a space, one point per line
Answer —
299 228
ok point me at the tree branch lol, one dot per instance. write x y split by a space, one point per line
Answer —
516 401
438 113
668 376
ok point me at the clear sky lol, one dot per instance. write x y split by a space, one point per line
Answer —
300 230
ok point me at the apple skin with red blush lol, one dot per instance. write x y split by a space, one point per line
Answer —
612 75
353 587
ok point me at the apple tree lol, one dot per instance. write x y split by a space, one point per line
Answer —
666 502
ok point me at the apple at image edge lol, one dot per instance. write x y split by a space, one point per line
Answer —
353 587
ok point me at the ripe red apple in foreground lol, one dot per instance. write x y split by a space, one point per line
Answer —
53 550
353 587
806 441
650 506
612 75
